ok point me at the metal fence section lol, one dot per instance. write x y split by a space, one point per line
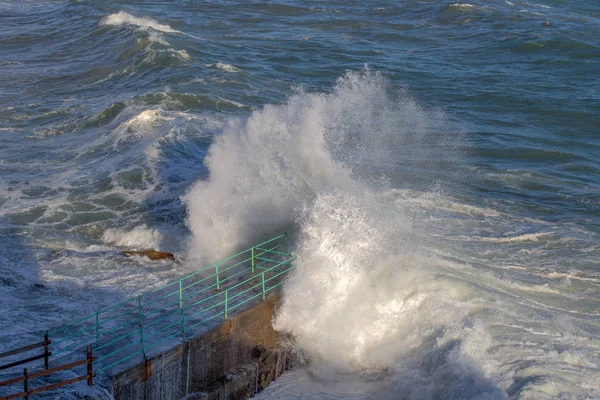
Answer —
152 321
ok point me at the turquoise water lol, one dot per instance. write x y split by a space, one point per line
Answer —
444 156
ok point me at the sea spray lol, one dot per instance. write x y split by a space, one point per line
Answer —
366 295
122 18
265 170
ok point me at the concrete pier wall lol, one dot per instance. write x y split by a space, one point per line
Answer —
233 361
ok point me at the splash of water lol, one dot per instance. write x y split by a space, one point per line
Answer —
122 18
265 170
366 294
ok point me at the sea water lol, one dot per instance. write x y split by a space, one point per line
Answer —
437 163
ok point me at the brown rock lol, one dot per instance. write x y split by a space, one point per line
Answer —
151 254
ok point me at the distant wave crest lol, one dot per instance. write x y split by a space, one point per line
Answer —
123 18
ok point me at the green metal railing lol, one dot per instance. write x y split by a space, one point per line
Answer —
182 308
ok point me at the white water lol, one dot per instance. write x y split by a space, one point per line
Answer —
390 289
267 170
122 18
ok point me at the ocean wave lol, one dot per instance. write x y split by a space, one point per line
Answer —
141 237
462 6
365 295
224 66
124 18
528 237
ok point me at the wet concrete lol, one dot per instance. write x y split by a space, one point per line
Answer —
232 361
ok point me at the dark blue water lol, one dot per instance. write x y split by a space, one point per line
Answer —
476 125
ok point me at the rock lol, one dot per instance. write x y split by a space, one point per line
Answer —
151 254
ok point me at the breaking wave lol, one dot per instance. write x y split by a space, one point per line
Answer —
123 18
366 294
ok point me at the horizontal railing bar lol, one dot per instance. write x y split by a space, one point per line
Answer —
24 361
200 281
119 327
124 302
235 255
62 328
45 372
259 284
242 282
47 388
119 361
237 264
203 290
116 351
156 313
159 288
244 302
266 251
266 259
149 335
115 316
271 240
116 339
205 320
160 298
25 348
211 266
273 287
256 276
197 282
161 341
178 311
245 291
280 273
230 277
220 272
75 344
206 309
66 338
276 252
280 264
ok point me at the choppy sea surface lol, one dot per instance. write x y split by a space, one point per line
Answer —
438 161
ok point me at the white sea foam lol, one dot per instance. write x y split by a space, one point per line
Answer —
368 297
528 237
462 6
123 18
364 295
264 170
224 66
140 237
143 124
184 55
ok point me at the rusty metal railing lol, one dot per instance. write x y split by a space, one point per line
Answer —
27 376
24 349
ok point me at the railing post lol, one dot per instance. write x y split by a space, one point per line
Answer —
141 316
226 300
217 272
253 259
182 310
263 285
46 353
97 328
25 384
90 371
